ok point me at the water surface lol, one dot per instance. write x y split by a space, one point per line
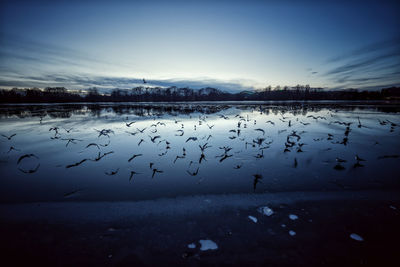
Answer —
248 148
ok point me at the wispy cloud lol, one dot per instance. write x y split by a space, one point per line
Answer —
378 46
24 53
18 55
105 83
27 63
359 64
20 47
371 66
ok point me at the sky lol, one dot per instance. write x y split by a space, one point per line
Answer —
231 45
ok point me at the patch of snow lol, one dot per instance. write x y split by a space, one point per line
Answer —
254 219
283 225
292 233
265 211
293 217
207 245
356 237
192 245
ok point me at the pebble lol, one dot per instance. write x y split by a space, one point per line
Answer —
254 219
265 211
207 245
356 237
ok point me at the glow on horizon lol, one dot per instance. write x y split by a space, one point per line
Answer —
251 45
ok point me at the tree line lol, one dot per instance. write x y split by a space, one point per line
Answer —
174 94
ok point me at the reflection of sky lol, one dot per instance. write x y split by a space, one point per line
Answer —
314 171
231 45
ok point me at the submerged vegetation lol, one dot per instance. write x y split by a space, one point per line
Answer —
170 94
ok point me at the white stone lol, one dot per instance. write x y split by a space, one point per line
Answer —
265 211
356 237
207 245
254 219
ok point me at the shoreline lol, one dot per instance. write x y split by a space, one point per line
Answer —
158 232
182 205
288 101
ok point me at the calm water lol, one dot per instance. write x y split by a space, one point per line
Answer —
244 149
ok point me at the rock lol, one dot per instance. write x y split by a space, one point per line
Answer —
356 237
254 219
207 245
265 211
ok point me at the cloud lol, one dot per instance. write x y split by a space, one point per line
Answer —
389 76
357 65
29 63
370 66
106 83
26 55
378 46
13 46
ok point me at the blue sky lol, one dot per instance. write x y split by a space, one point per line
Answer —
233 45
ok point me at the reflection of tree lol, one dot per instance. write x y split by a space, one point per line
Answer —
155 110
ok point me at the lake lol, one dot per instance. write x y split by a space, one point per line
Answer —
142 151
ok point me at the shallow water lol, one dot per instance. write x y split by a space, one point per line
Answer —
307 165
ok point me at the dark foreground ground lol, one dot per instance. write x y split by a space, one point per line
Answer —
157 233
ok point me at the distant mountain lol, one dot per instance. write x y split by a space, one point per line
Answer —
247 92
209 91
